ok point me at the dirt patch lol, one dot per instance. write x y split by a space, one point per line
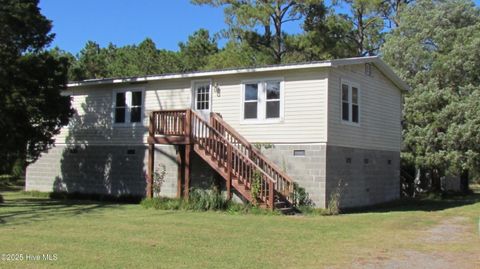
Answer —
448 231
417 260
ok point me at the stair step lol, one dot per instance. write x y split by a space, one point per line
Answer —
287 210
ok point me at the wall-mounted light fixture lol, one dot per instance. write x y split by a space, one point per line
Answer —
216 89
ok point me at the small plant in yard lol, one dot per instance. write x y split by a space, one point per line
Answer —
162 203
312 211
158 179
203 200
301 196
199 200
333 207
256 184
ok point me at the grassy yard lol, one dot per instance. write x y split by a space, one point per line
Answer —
105 235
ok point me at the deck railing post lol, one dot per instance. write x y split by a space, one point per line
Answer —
188 125
151 126
151 154
271 190
186 191
229 171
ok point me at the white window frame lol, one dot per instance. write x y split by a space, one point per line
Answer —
262 101
350 85
193 97
128 107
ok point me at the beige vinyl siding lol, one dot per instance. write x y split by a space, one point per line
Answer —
380 110
93 120
304 108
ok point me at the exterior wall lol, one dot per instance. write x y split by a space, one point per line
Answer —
312 122
93 122
103 169
308 171
362 183
299 114
380 111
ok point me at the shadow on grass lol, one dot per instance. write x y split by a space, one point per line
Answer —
22 210
420 204
11 186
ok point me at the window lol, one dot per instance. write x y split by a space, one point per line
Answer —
350 102
202 96
128 107
262 100
120 107
251 101
273 100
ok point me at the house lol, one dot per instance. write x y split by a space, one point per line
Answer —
325 125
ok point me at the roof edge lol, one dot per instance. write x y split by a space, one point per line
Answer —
383 67
197 74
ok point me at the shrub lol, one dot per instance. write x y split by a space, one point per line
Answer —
202 200
310 210
256 184
301 196
1 199
158 179
163 203
205 200
333 207
18 169
8 179
199 200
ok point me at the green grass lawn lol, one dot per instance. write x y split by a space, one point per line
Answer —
105 235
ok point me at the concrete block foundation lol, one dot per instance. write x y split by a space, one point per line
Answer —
367 177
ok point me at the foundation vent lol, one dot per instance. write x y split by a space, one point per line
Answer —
299 153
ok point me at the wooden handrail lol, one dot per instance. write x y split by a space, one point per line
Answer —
248 144
284 184
238 163
229 149
224 140
170 122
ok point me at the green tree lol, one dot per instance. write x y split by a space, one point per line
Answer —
391 10
94 61
244 17
435 49
367 25
91 63
32 109
195 52
327 35
236 55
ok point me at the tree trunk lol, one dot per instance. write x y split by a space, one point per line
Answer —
436 181
278 34
417 182
361 34
464 188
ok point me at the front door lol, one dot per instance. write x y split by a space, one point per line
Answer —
202 99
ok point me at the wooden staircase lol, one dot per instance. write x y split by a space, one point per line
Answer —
245 168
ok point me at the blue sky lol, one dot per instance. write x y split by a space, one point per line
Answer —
125 22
